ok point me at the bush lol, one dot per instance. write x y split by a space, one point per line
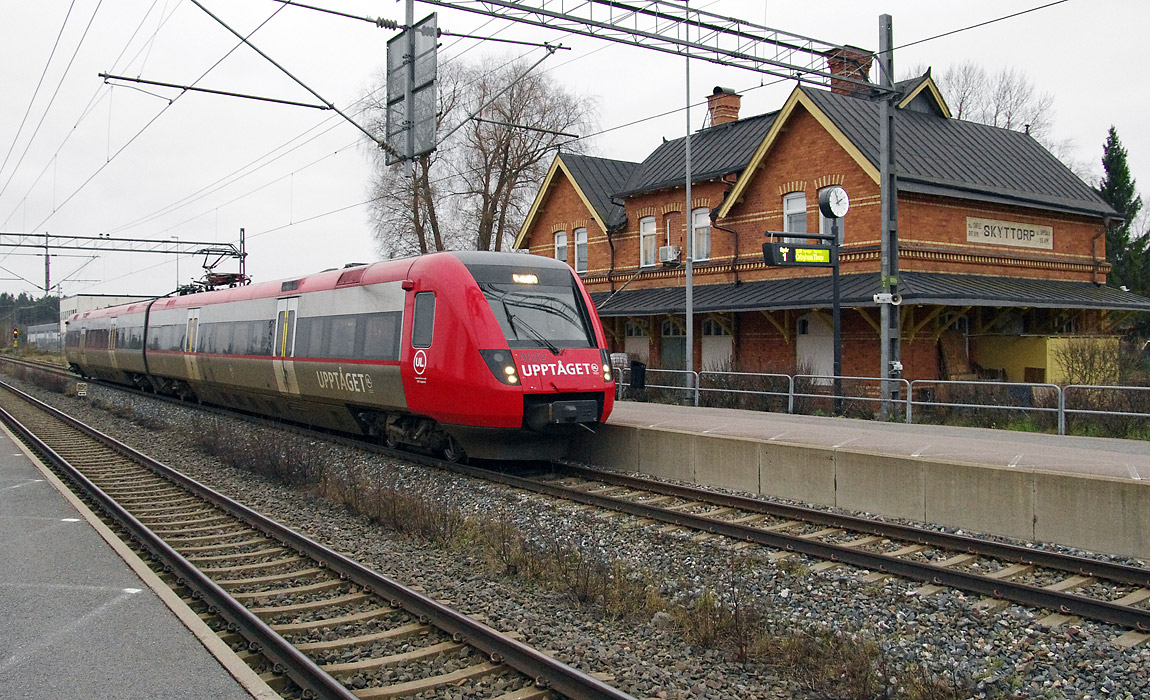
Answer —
291 460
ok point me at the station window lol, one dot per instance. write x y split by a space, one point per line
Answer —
561 245
701 225
648 245
795 215
711 327
580 250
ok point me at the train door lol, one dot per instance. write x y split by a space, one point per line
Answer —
422 333
190 339
84 345
284 346
112 344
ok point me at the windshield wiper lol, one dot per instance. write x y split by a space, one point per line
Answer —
538 336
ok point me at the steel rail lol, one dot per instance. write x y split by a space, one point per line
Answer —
1052 560
546 671
294 663
1063 602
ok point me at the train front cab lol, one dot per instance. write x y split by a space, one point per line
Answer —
505 353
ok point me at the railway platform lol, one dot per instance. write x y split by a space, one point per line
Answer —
1092 493
82 616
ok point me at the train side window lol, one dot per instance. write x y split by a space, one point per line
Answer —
423 325
241 338
265 337
303 338
342 337
381 336
224 339
317 337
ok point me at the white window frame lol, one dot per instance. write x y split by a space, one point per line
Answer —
701 230
825 224
711 327
580 250
648 242
561 245
794 204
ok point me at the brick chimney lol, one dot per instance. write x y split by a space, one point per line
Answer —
849 62
723 105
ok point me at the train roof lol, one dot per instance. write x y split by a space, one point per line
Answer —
349 276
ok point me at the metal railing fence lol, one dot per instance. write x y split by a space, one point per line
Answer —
1046 406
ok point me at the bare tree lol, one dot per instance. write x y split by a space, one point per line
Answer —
473 191
1007 99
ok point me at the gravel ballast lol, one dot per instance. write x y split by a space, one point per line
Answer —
1003 653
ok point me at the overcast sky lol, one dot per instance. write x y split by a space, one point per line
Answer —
87 159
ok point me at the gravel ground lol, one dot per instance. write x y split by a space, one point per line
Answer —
997 654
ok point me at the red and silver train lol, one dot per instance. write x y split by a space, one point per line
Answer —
493 355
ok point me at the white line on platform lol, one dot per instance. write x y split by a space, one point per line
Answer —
920 451
1133 472
13 488
1014 462
69 630
776 437
845 442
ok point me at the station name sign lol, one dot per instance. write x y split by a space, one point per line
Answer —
1009 233
797 255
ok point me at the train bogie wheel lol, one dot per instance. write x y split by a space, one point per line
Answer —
453 451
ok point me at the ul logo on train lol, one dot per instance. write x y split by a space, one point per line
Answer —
420 362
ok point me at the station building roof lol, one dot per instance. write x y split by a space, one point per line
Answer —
925 288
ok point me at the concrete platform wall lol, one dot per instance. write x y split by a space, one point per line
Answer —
1094 513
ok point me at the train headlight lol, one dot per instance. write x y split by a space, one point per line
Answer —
502 365
607 377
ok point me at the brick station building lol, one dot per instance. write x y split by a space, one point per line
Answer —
1001 250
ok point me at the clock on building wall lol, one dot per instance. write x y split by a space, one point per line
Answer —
833 202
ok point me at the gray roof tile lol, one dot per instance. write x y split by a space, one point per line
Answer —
958 158
715 151
858 290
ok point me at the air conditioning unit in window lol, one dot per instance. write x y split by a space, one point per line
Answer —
669 255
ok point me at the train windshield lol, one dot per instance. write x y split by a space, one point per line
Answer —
536 310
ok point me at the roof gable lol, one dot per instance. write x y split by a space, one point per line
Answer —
594 180
938 155
798 99
923 95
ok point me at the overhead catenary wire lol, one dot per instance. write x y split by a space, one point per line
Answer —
36 92
98 95
235 174
382 143
148 124
639 121
52 101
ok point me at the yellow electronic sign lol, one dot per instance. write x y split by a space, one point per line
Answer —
792 254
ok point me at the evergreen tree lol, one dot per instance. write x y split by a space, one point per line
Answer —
1127 253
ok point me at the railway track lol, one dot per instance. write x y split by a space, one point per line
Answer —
1062 584
312 622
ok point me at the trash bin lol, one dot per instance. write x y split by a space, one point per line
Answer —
638 375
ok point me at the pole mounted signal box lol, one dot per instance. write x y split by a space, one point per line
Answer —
797 255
